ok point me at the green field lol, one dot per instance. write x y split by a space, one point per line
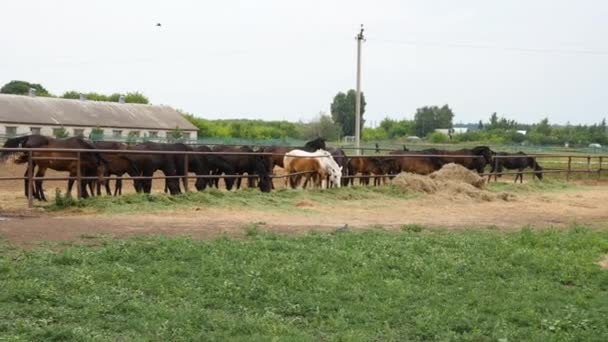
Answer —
418 284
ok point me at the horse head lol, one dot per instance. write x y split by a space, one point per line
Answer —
262 169
485 152
538 170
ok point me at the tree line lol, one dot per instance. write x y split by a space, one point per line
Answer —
23 88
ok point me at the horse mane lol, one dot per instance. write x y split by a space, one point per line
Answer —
315 144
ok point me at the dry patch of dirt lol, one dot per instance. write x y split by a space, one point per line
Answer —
603 262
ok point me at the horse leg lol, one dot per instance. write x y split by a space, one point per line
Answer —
107 186
39 190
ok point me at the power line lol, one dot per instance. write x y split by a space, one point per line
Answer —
592 52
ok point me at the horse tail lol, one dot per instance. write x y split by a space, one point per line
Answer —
12 143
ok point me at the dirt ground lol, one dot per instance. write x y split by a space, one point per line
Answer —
583 205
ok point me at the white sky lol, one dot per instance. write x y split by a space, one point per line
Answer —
273 59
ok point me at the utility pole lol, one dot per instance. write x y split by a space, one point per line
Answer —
360 38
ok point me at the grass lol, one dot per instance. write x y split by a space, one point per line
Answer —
282 199
534 186
279 200
418 284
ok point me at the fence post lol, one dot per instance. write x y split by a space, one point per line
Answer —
30 180
569 168
186 185
599 170
588 166
78 177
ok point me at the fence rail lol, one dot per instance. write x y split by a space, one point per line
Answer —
33 155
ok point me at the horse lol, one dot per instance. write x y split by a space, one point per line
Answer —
318 164
366 166
388 166
147 164
118 165
480 156
518 161
252 165
90 162
342 160
280 151
216 165
415 162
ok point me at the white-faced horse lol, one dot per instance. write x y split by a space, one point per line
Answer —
318 164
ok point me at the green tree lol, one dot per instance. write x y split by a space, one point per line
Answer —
176 134
60 133
322 126
23 88
134 97
96 134
343 111
427 119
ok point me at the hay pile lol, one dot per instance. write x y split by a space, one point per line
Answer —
452 181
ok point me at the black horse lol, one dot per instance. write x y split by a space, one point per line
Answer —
216 165
518 161
255 166
171 165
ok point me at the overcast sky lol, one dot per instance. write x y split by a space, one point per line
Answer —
277 59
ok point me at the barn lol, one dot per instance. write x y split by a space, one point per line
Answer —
21 115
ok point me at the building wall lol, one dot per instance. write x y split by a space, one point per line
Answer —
86 131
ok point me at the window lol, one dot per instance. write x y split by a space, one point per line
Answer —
78 132
153 134
11 130
35 130
186 135
134 134
116 133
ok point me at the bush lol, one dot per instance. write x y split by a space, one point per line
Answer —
438 138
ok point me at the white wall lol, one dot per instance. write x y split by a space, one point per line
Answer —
108 131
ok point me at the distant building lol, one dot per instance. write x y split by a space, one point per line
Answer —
523 132
20 115
453 131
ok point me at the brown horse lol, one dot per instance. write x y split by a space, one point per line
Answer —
366 167
118 165
91 162
416 163
318 166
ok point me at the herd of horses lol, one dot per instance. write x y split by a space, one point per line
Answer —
314 163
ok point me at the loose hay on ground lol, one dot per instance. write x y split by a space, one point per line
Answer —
452 181
458 173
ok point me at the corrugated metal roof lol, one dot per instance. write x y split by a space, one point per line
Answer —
53 111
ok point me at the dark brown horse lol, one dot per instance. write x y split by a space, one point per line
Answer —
518 161
147 164
474 159
118 164
255 166
92 163
415 162
216 165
